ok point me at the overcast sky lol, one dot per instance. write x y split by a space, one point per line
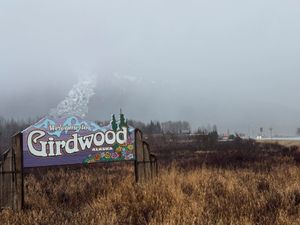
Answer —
230 63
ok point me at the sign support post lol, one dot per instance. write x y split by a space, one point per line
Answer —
147 166
139 165
18 169
145 163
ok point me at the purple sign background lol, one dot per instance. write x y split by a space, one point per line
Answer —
73 140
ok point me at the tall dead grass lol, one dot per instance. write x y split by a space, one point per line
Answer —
201 195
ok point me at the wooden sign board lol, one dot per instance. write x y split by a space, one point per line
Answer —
73 140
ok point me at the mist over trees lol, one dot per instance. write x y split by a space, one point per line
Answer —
156 127
298 131
9 127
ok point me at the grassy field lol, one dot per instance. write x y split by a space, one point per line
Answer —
264 191
287 143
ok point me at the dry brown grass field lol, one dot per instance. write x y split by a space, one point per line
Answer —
287 143
264 191
239 183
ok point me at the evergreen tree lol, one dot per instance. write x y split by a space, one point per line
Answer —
113 123
215 129
151 127
158 128
123 122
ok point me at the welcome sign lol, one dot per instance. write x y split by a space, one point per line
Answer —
73 140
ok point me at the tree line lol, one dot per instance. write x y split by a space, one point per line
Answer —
156 127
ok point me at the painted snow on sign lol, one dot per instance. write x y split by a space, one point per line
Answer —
77 100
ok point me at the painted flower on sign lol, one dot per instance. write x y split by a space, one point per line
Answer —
97 157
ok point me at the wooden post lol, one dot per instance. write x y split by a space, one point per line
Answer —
1 183
139 161
154 167
7 181
12 186
18 172
2 180
147 162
